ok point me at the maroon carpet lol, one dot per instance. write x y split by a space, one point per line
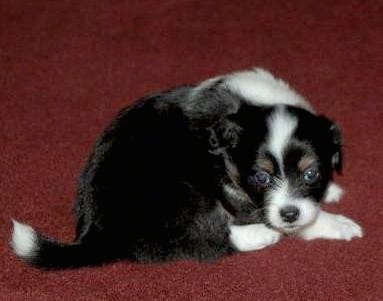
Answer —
66 67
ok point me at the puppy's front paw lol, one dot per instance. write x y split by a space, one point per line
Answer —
346 228
253 237
333 193
332 226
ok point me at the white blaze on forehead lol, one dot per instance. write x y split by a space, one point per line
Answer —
279 196
281 126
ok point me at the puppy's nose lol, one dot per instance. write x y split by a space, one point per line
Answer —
289 214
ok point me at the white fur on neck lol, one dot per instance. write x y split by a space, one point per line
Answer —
260 87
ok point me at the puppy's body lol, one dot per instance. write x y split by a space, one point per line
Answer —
200 172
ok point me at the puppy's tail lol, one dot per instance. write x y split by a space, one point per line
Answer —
43 252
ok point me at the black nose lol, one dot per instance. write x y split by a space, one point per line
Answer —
289 214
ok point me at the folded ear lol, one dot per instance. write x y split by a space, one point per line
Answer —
223 134
234 123
335 135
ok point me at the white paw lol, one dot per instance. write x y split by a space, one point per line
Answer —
332 226
253 237
333 193
346 228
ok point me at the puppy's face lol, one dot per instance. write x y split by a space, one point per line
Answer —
290 189
290 166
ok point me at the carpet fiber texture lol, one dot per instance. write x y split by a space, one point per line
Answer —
66 67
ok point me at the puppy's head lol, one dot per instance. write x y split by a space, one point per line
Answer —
286 158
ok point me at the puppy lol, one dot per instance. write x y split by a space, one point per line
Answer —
198 172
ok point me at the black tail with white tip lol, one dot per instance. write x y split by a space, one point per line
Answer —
46 253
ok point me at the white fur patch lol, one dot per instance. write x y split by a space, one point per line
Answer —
332 226
24 240
333 193
281 127
253 237
260 87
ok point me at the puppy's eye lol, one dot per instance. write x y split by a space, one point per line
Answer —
262 178
311 175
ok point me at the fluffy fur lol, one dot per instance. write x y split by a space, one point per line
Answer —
231 164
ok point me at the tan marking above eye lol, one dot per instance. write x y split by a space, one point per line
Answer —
266 165
305 162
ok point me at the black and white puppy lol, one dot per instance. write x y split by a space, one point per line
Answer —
231 164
